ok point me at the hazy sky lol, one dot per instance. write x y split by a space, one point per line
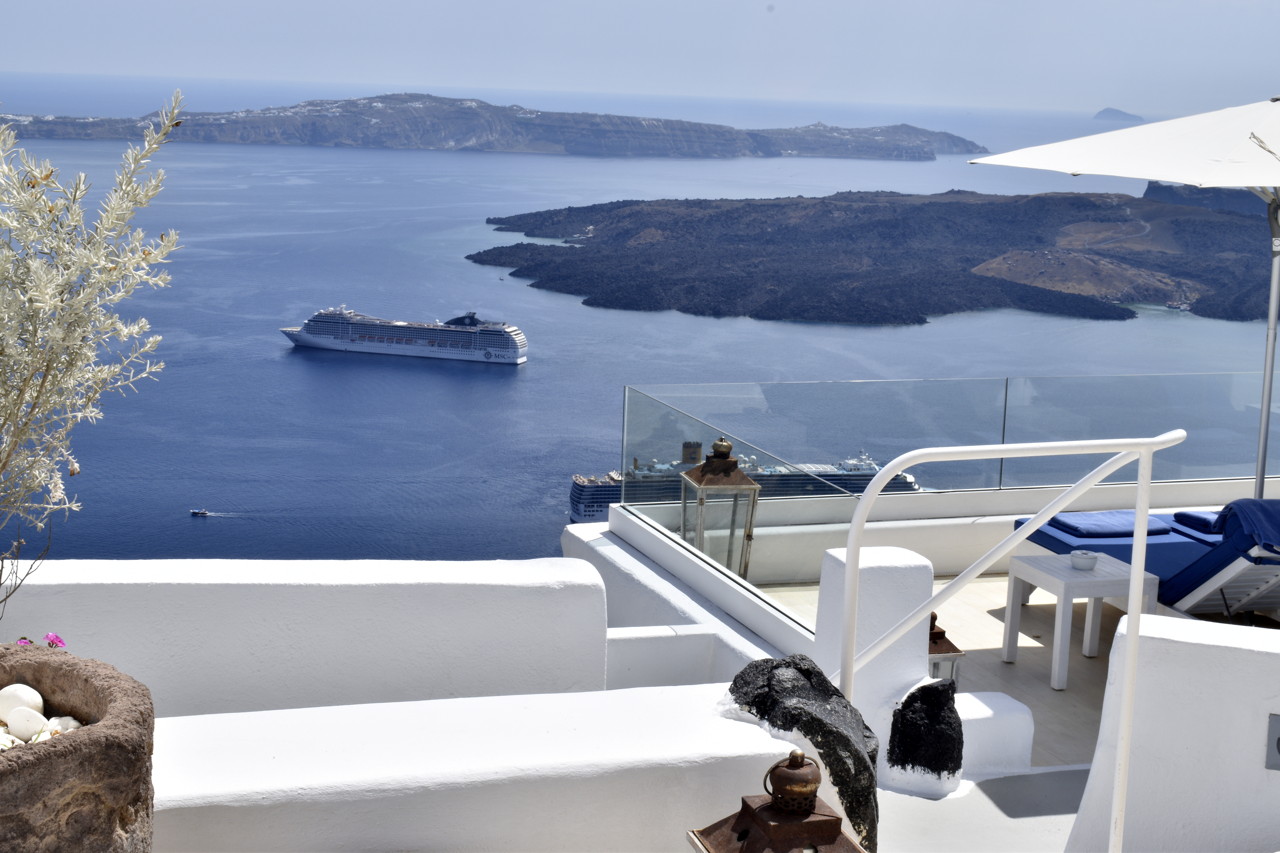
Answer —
1156 58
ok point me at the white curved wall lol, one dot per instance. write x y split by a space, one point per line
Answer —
1197 779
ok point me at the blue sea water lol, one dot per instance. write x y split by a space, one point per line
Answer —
311 454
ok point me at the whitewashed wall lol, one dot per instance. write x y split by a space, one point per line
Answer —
210 636
1198 779
616 770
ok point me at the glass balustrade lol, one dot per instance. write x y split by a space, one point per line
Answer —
825 439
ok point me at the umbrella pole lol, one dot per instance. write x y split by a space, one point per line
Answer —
1268 366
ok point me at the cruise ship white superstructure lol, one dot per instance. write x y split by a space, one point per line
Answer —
465 338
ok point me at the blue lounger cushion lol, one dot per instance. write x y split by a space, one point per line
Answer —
1199 520
1107 523
1167 553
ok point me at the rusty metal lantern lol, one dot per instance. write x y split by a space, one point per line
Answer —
790 816
793 782
718 508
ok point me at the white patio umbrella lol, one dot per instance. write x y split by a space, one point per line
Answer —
1234 147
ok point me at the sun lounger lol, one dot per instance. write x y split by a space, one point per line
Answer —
1241 573
1227 562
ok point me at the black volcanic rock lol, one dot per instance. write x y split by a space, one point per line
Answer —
926 733
879 258
461 124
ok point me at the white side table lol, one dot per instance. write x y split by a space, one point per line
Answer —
1053 574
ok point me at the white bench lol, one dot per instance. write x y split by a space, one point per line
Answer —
620 769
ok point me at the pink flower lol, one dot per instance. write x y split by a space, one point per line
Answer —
54 641
23 641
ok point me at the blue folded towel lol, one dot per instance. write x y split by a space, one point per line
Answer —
1105 524
1259 518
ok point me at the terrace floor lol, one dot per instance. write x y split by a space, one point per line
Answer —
1066 721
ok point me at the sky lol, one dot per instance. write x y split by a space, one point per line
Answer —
1154 58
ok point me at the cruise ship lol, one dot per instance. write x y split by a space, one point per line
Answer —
465 338
658 482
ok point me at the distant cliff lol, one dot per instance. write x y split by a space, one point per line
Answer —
457 124
1214 198
879 258
1113 114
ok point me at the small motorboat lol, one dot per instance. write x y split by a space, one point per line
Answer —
200 513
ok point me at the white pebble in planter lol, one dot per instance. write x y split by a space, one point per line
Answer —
63 724
19 696
24 723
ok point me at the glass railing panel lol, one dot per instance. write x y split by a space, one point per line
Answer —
826 439
826 423
1218 411
855 423
660 441
785 432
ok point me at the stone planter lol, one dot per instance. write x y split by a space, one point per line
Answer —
88 789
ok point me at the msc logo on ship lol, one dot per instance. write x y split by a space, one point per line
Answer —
488 354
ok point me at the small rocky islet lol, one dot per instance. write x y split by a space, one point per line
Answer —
885 258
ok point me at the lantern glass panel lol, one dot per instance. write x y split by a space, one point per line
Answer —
717 516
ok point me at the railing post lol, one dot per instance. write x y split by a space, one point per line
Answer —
1138 565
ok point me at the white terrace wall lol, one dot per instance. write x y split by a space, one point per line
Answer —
661 631
614 770
1198 777
213 636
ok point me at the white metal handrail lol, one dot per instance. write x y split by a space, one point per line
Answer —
1126 450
